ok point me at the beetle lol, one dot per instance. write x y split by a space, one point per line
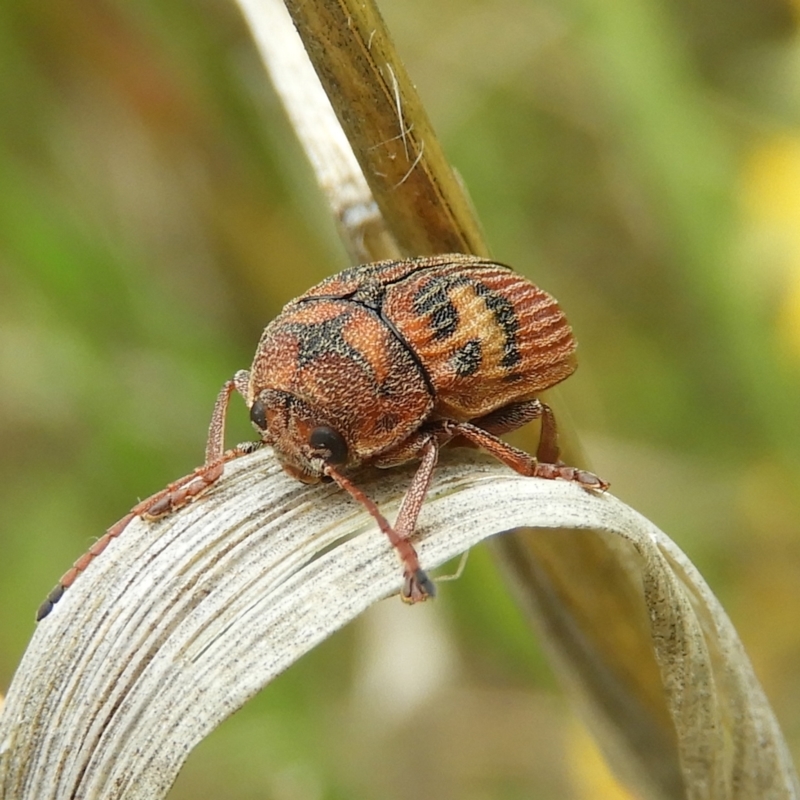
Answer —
383 364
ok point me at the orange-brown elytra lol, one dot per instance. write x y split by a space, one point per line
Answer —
383 364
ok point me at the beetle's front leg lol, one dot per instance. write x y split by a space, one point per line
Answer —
417 585
171 498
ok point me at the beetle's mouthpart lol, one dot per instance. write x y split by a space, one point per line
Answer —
417 586
302 475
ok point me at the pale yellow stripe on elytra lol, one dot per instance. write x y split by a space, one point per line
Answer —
543 339
480 323
475 322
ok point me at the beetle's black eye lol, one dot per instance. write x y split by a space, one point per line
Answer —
258 415
325 438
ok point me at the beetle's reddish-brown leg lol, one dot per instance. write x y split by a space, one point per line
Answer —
548 451
417 491
417 586
510 417
520 461
178 494
515 415
174 496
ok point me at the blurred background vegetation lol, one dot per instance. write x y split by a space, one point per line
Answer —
640 159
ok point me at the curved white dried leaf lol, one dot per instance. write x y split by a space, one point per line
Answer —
180 622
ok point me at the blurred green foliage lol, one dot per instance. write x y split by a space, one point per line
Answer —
636 158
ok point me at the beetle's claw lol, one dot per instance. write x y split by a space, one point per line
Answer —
588 480
417 587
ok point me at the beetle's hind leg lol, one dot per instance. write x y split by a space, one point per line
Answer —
522 462
510 417
515 415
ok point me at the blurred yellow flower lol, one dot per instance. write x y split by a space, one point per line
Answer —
771 194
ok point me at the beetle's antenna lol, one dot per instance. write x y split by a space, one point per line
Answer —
418 586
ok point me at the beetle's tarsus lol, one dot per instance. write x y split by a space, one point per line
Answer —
588 480
417 587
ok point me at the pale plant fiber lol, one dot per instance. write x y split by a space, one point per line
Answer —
180 622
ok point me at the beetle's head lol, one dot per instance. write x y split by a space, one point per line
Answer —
302 440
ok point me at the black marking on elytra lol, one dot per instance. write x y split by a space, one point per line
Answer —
377 311
444 321
317 339
504 315
432 299
466 360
